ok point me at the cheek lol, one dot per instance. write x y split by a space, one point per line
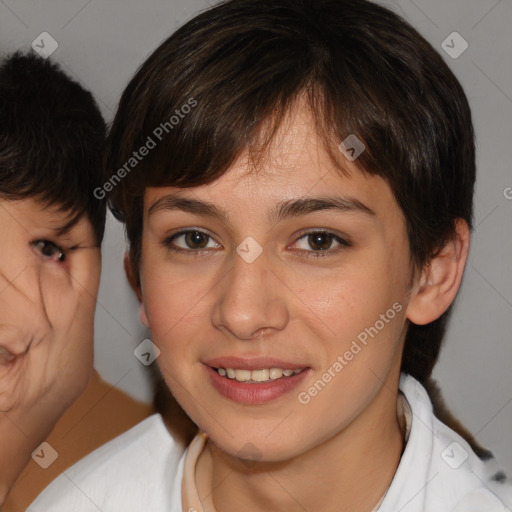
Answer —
22 320
171 304
358 314
60 299
69 295
85 279
348 300
92 275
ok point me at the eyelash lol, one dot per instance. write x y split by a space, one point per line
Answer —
168 243
36 244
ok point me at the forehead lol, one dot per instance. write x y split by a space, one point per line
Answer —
31 213
296 164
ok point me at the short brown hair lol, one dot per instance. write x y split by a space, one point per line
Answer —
52 137
365 71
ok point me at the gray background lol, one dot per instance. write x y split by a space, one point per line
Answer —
102 42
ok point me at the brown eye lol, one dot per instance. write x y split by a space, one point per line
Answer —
49 250
320 241
189 241
196 239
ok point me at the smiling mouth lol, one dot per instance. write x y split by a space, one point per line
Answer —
257 376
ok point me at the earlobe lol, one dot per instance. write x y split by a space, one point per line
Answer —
142 315
440 280
130 275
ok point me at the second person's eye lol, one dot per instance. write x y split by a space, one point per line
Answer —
49 250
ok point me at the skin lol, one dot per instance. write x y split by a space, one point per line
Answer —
340 451
46 324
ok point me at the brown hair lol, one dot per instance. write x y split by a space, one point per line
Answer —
364 71
52 137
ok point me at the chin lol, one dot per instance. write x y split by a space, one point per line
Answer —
251 448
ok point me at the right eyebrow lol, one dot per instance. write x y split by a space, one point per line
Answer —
184 204
289 208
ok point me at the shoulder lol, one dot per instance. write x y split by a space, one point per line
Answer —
475 484
456 479
131 472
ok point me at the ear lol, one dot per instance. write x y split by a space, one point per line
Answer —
440 280
130 275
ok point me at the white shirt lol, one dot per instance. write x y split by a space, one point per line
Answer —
142 470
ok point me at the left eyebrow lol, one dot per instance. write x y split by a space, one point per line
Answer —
282 210
65 228
299 207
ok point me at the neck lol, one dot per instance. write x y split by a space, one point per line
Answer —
348 472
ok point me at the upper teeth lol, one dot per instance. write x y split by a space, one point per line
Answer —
256 375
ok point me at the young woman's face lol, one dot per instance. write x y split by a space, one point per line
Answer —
257 274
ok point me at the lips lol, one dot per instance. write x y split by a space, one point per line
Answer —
263 375
254 381
255 363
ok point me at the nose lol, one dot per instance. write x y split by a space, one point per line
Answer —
22 315
251 300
